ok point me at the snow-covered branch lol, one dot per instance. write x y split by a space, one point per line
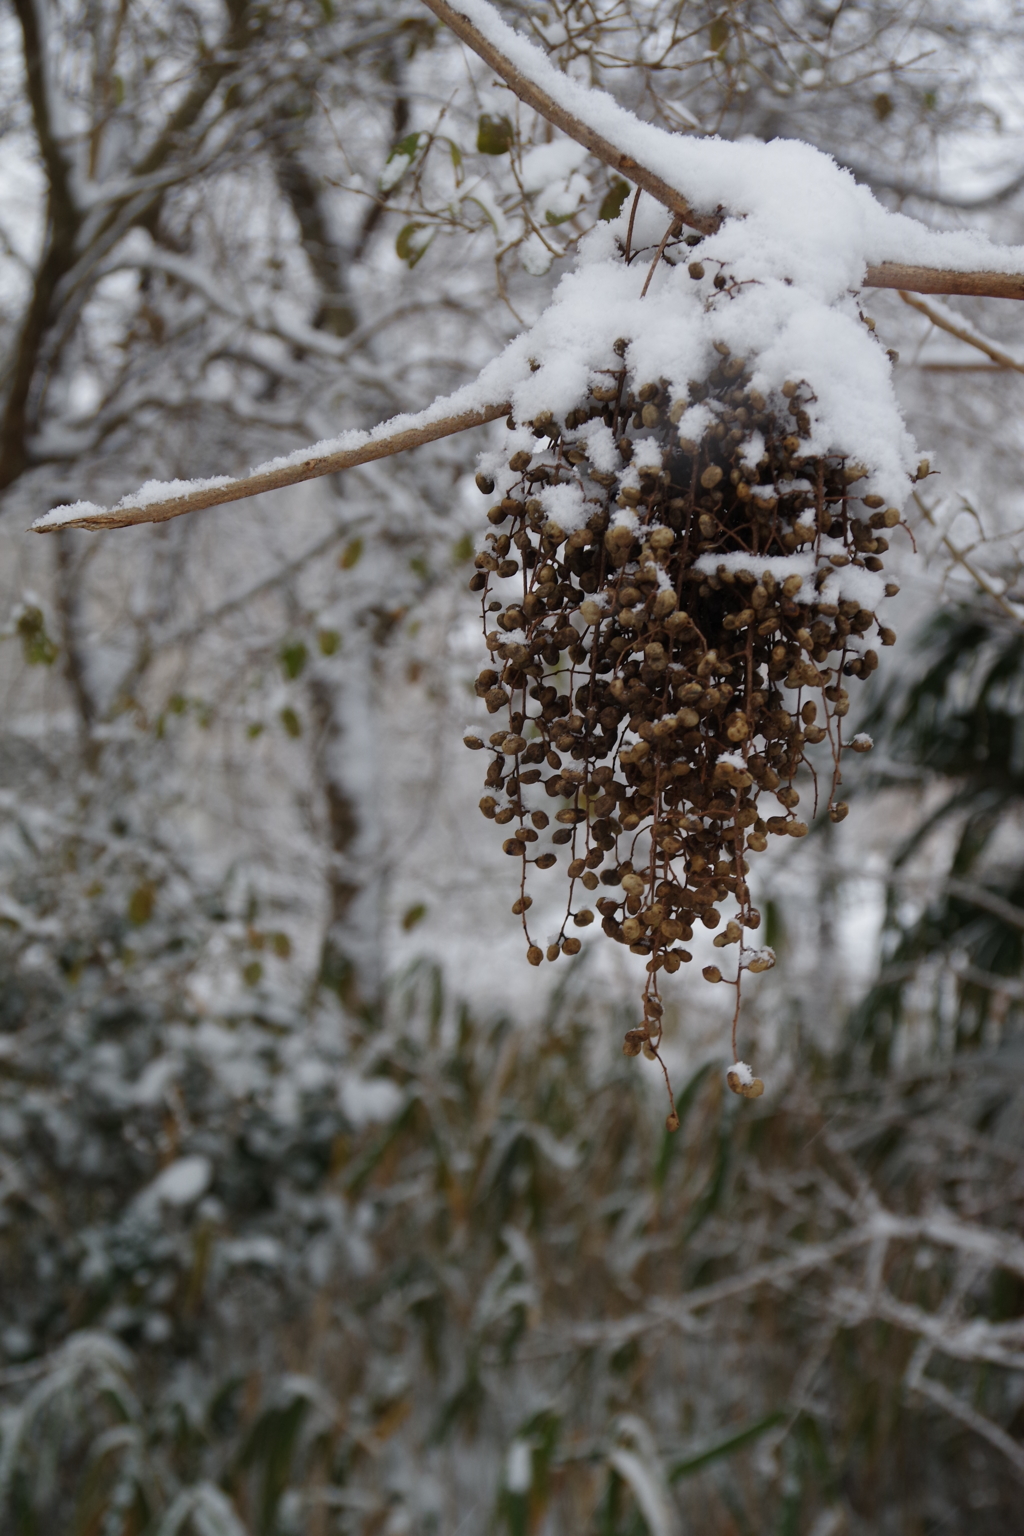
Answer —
680 171
159 501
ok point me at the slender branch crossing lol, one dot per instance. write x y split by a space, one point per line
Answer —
963 333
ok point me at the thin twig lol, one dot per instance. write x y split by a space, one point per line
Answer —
972 570
978 896
673 229
961 332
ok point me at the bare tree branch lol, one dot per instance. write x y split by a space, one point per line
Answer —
1006 911
963 333
375 447
962 558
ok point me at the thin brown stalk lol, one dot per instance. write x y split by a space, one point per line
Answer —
963 333
962 558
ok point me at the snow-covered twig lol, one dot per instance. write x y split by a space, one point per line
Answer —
942 1397
152 504
595 120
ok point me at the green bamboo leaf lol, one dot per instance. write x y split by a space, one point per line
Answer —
724 1448
671 1139
713 1190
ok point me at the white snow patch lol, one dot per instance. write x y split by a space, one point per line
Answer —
519 1467
566 506
535 256
180 1183
599 443
365 1100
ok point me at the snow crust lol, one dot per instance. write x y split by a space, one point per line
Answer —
743 1073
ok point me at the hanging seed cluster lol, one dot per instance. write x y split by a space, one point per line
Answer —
658 670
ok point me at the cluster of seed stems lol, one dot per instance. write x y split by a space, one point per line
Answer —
642 639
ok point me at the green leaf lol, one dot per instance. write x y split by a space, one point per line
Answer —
494 135
254 730
38 648
412 244
141 903
718 33
414 915
293 658
419 567
726 1447
399 161
462 549
713 1190
670 1139
329 642
350 554
291 721
252 973
456 154
614 199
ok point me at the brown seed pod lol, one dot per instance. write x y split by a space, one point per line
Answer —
665 661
